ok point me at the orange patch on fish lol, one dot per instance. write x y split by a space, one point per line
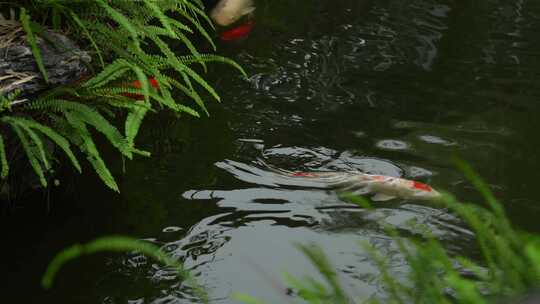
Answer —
421 186
238 32
152 81
137 85
304 174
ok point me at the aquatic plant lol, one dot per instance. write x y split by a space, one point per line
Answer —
118 244
509 266
132 40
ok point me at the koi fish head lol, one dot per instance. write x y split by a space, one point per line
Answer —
387 188
423 191
227 12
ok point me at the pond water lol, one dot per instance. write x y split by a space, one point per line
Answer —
390 87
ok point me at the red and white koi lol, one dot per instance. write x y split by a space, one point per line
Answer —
137 85
384 187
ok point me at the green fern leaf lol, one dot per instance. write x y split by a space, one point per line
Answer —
143 80
92 154
212 58
200 12
111 72
201 81
86 33
95 119
125 103
3 158
58 139
25 21
177 65
180 26
90 116
199 27
133 123
36 141
161 16
189 110
118 29
170 54
122 20
191 92
30 154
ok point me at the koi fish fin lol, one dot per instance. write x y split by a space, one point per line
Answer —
379 197
248 10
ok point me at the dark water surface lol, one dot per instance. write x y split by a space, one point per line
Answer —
391 87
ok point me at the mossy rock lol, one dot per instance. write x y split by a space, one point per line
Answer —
64 61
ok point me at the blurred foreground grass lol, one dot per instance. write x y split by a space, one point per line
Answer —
509 266
508 269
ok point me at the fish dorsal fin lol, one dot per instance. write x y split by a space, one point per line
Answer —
380 197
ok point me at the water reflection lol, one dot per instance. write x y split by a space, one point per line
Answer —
259 221
385 87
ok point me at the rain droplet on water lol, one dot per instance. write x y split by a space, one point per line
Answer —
392 144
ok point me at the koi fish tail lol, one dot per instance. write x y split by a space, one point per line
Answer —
328 179
274 169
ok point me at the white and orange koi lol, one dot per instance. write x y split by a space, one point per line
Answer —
384 187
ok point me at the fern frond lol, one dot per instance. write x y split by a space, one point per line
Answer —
58 139
7 101
182 68
122 20
31 39
87 34
161 16
191 92
180 26
92 154
150 30
143 80
115 94
91 117
95 119
201 81
189 110
36 141
199 11
30 153
133 123
164 48
212 58
3 159
111 72
199 27
139 35
59 91
124 102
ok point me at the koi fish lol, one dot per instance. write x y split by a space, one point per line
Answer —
137 85
152 81
238 32
227 12
384 187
